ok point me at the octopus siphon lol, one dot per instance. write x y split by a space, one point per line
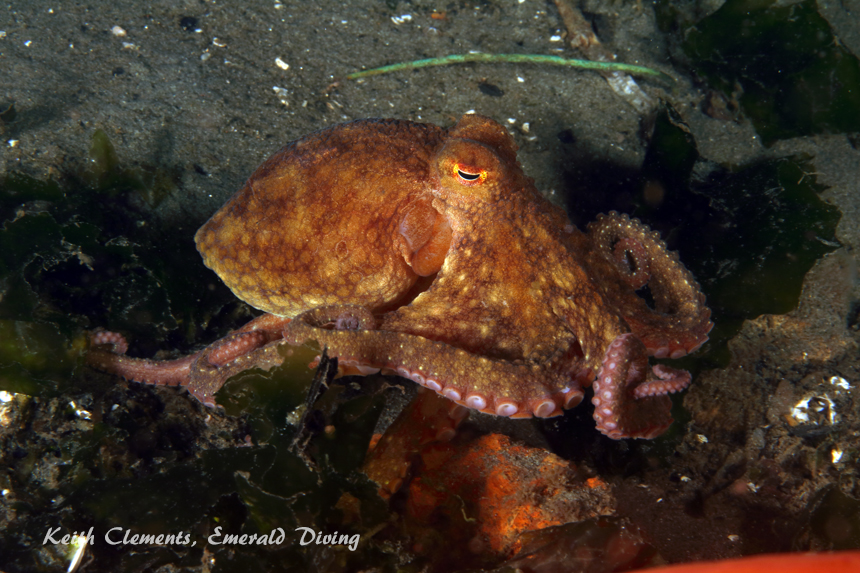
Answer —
428 253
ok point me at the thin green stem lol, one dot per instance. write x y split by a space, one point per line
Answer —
517 58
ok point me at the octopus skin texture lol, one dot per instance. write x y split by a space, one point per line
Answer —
428 253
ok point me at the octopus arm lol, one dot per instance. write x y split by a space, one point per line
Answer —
493 386
629 401
680 322
107 353
202 373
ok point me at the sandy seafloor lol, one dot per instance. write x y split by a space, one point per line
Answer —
210 101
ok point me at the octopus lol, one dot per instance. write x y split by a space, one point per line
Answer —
426 252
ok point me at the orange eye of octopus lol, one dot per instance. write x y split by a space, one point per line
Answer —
467 177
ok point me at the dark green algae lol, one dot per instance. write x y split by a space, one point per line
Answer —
790 74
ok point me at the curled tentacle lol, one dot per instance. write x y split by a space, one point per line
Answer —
114 341
680 322
667 380
494 386
203 372
107 353
630 402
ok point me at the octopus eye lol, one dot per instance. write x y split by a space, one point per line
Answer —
468 176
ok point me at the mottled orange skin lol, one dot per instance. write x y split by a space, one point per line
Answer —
317 223
428 252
